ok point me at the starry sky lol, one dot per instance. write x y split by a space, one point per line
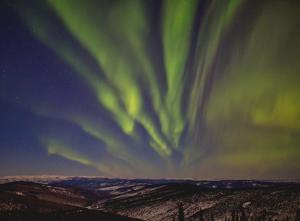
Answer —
150 89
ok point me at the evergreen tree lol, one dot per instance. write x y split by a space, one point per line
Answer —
237 218
212 217
297 214
264 215
287 218
180 213
244 217
233 215
201 215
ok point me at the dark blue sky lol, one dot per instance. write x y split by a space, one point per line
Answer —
150 89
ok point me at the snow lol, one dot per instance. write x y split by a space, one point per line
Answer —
164 208
246 204
20 193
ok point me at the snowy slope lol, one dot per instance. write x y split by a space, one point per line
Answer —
158 199
161 202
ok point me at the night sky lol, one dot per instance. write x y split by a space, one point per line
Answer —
150 89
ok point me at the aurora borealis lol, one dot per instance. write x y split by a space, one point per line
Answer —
123 88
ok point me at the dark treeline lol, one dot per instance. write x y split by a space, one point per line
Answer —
32 214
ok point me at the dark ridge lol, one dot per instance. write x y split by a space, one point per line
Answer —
67 215
45 197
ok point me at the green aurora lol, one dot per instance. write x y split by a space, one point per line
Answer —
207 89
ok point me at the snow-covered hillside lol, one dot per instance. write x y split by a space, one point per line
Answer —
161 202
158 199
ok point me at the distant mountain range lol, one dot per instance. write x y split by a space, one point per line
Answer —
103 183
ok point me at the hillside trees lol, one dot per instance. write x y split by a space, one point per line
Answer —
239 215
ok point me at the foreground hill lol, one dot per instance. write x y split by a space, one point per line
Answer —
160 202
